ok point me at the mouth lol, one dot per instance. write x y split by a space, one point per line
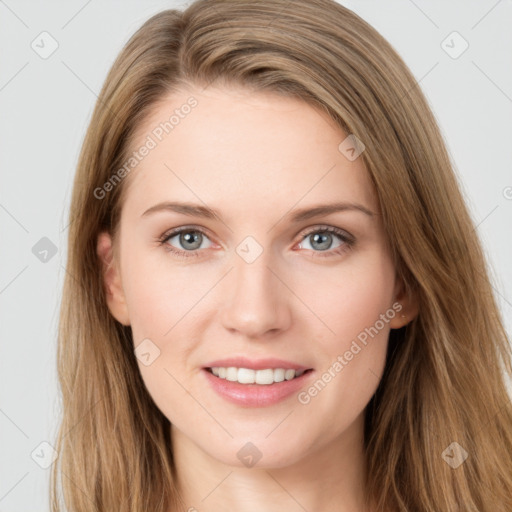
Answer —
263 377
262 387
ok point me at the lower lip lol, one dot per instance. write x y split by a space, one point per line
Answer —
256 395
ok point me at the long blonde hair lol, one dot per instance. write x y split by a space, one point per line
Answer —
444 377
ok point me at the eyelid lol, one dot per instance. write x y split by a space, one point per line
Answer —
171 233
303 232
329 228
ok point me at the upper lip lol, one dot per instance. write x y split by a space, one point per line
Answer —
256 364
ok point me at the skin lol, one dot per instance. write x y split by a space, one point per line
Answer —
271 155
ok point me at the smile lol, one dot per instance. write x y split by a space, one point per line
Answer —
248 376
277 384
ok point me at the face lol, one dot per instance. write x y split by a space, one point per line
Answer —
254 280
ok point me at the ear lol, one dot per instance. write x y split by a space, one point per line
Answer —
409 306
111 278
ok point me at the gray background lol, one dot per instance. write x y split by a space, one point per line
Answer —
46 104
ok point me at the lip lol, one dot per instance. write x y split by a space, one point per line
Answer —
259 364
256 395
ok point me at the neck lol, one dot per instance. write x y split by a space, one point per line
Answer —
329 476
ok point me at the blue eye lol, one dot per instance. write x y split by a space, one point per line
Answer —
191 239
324 238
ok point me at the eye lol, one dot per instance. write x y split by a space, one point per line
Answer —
320 240
189 240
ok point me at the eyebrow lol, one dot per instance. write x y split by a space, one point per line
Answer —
298 215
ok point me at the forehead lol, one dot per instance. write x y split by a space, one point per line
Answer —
239 146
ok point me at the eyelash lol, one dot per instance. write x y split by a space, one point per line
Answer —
348 242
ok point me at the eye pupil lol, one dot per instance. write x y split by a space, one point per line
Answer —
321 238
186 237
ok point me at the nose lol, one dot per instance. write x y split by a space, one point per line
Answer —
256 301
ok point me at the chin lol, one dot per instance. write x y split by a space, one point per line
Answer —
258 454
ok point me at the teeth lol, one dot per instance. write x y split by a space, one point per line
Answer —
248 376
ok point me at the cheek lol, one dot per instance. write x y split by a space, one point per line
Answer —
166 314
352 298
161 307
357 308
159 294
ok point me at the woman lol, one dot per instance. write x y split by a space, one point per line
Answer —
275 297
